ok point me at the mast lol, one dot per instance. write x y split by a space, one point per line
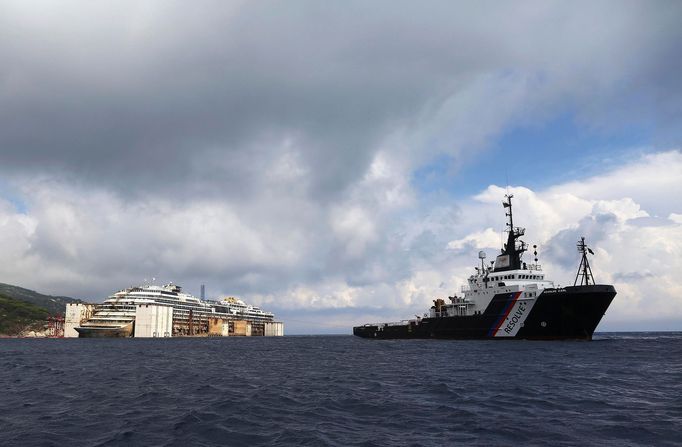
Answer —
510 258
584 270
508 204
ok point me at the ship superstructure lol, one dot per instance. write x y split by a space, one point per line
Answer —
509 299
115 317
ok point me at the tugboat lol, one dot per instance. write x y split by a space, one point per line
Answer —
510 300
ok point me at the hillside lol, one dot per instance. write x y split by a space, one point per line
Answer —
54 304
16 316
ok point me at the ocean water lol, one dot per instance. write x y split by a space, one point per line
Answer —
621 389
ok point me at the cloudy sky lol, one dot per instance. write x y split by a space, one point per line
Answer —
340 163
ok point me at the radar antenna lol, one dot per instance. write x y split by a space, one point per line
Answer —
584 275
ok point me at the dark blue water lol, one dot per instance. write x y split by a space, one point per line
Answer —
621 389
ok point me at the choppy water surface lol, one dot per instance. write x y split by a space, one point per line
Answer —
621 389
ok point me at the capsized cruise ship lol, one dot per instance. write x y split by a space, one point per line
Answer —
186 314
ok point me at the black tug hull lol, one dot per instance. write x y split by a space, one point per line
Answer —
565 313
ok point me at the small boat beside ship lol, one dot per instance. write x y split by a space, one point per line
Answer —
510 299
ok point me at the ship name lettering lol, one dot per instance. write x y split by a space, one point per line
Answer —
516 317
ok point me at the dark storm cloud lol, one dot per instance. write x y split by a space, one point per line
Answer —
191 89
163 97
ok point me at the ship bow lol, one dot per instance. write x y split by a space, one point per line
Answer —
568 313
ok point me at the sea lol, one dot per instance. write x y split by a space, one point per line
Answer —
621 389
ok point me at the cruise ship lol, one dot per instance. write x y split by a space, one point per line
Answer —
115 317
510 299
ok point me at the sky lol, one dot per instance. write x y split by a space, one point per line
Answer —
340 163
